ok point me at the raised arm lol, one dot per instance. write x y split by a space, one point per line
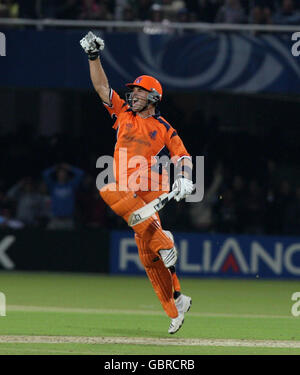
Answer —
77 175
99 80
92 46
47 176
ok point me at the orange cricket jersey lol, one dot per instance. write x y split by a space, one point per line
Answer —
140 141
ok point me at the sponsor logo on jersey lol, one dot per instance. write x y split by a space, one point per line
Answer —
132 138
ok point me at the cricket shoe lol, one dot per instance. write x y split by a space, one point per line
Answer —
169 257
183 304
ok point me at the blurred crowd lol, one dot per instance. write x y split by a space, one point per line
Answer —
63 196
235 204
221 11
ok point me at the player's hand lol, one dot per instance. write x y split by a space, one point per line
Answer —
92 44
183 186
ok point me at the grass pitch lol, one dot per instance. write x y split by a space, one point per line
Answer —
96 314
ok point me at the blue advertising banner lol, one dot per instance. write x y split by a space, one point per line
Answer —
237 62
216 255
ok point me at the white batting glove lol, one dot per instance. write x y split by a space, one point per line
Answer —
92 44
184 187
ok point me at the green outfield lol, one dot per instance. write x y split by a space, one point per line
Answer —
95 314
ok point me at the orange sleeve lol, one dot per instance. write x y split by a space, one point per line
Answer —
175 145
116 106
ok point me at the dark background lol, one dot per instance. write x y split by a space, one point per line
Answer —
252 136
250 141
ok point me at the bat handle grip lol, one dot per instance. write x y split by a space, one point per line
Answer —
172 194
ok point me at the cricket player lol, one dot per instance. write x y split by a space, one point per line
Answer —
143 133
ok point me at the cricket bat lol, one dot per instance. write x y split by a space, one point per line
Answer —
150 209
